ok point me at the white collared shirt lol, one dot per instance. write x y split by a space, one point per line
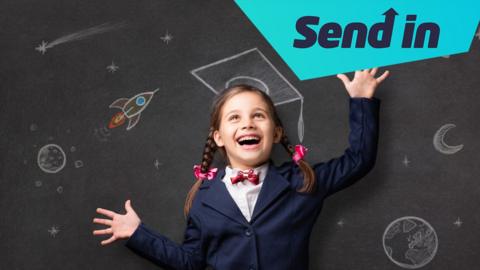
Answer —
245 193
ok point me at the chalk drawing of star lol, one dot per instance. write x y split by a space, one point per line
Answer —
112 67
42 47
157 164
458 222
167 38
54 231
406 161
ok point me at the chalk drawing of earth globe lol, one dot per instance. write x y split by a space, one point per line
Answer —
410 242
51 158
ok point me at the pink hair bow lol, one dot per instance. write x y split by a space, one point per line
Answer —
210 174
300 152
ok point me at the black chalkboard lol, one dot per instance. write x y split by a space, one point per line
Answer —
65 62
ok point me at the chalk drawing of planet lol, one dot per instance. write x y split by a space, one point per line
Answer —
410 242
51 158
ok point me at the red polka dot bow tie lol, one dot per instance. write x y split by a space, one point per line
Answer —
250 176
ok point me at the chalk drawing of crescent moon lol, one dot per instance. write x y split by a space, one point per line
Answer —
440 144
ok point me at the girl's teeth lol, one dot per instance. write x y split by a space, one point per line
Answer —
248 138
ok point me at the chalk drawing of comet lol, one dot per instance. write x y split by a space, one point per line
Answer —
82 34
131 109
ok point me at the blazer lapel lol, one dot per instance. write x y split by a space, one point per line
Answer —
219 199
273 186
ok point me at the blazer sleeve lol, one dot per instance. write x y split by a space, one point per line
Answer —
166 253
359 158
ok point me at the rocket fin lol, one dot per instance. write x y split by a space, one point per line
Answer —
119 103
133 121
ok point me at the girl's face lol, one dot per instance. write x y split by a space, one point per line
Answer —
247 130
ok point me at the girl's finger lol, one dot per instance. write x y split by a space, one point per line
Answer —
128 206
106 212
105 231
373 71
109 240
344 78
102 221
366 70
381 78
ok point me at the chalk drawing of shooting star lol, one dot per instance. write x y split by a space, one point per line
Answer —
131 109
82 34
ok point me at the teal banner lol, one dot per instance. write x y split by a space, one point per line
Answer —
322 38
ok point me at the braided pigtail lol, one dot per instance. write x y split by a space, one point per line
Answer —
308 174
207 159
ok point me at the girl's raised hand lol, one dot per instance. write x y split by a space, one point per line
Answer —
364 83
120 226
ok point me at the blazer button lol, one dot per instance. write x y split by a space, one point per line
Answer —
251 267
248 232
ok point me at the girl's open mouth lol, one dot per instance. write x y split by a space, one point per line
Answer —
249 142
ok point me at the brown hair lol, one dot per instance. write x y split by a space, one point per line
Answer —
211 146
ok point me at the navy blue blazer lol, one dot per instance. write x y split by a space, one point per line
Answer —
218 236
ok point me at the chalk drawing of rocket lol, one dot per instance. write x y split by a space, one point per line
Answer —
131 109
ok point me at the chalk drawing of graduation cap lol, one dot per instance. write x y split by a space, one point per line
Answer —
253 68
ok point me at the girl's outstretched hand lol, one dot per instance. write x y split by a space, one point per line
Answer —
364 83
121 226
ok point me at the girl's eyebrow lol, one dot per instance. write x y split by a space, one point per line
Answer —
230 112
255 109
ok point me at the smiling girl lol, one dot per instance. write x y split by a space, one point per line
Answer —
252 214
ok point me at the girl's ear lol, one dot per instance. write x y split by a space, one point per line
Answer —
278 133
217 138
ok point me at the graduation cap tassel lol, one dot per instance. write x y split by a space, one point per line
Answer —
300 122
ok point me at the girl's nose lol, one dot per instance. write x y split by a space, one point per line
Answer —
248 124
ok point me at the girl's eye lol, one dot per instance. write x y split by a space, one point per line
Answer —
259 115
233 117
